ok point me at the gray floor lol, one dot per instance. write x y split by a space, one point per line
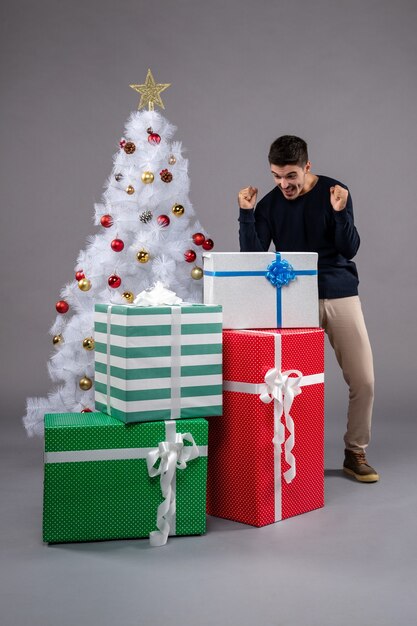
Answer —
353 562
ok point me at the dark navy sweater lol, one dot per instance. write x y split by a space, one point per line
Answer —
307 224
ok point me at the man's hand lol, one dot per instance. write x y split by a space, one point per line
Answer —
338 197
247 197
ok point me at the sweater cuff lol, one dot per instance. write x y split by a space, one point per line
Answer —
247 215
340 216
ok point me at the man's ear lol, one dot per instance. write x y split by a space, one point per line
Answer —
308 166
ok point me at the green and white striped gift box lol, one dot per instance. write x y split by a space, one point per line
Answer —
158 362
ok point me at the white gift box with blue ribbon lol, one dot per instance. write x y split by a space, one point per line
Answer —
263 289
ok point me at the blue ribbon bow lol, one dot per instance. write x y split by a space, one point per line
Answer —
280 272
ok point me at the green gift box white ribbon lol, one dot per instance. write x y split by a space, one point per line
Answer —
105 480
158 362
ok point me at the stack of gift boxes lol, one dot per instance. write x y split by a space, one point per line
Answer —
266 459
140 466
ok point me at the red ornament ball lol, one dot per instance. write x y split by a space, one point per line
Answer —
208 244
198 239
117 245
114 281
86 411
154 139
106 221
122 142
190 256
163 220
79 275
62 306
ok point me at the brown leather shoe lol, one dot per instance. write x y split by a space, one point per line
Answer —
355 465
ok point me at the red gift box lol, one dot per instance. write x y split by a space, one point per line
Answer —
266 458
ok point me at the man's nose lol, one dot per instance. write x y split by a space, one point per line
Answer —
284 183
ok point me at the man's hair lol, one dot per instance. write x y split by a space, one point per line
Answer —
288 150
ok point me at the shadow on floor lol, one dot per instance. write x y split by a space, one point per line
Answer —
328 473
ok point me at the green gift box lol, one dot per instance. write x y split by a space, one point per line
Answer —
158 362
107 480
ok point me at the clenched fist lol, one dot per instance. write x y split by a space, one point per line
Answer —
338 197
247 197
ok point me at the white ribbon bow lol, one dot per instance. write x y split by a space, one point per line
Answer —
172 455
157 295
282 388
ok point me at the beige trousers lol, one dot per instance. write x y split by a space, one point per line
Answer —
343 322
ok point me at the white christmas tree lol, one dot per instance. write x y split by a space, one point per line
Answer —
147 233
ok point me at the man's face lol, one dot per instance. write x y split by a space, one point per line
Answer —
290 179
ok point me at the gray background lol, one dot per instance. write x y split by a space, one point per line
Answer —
341 75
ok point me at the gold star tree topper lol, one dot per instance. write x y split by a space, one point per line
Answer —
150 92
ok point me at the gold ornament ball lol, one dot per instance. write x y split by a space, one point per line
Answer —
129 296
147 177
88 343
143 256
197 273
130 190
178 210
57 339
84 284
172 160
85 383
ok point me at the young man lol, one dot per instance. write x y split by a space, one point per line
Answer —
310 213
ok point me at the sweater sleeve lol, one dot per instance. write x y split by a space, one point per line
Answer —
254 231
347 239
